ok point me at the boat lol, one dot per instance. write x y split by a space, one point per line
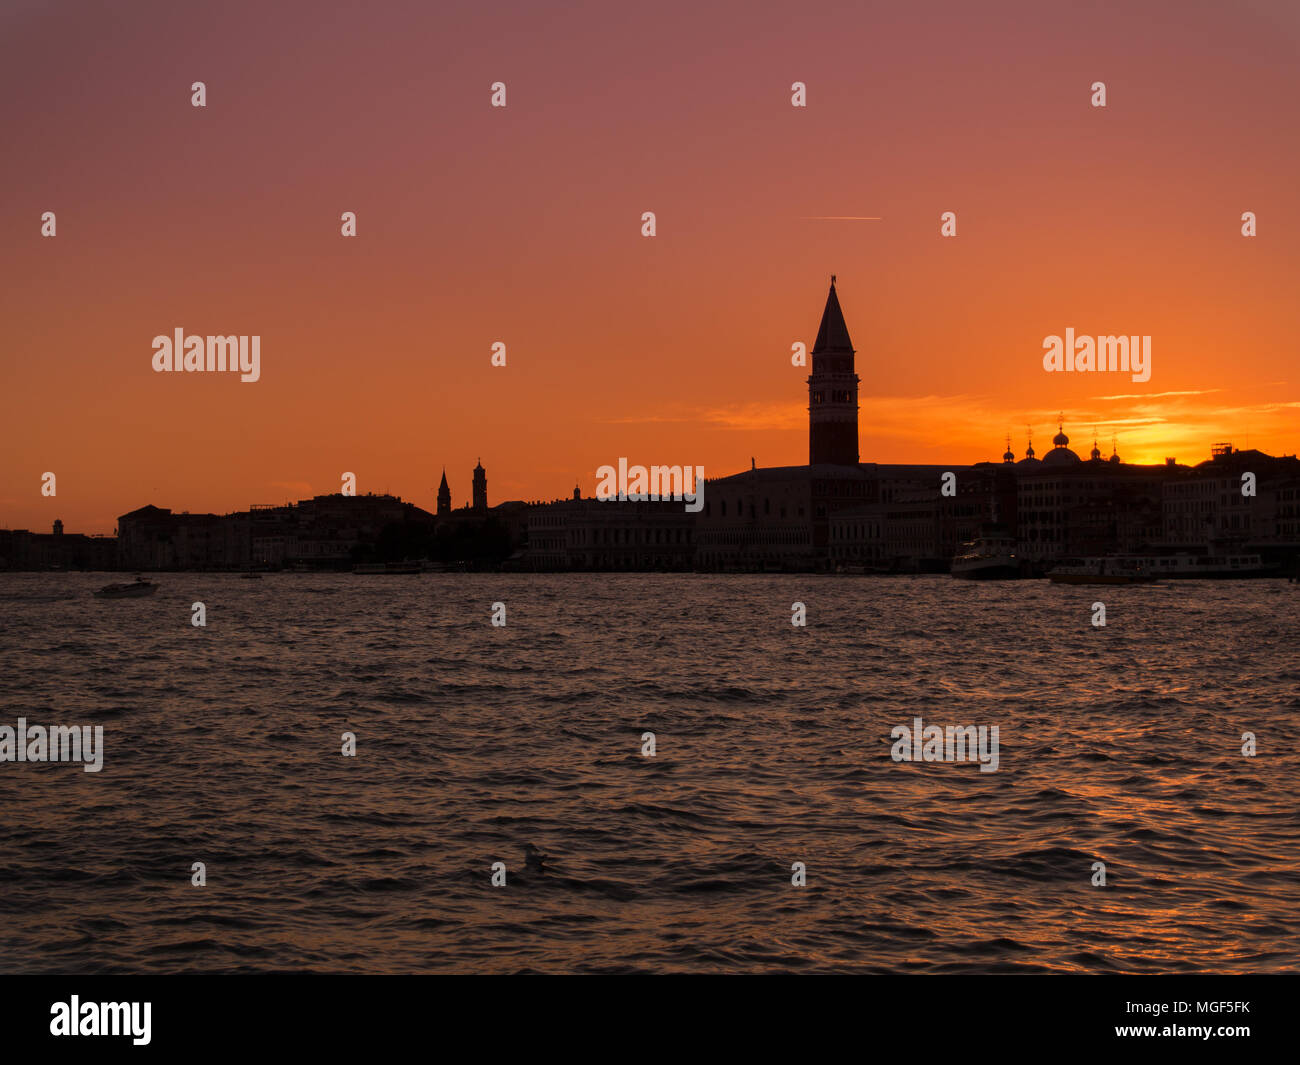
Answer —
136 589
1183 566
1101 571
990 557
386 567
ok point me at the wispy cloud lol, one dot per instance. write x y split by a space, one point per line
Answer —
1161 395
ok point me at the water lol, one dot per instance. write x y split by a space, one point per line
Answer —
1120 744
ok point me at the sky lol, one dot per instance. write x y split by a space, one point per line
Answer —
523 225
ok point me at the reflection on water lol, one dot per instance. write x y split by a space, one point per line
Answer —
1120 745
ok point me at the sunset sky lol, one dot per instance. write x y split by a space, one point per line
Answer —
523 225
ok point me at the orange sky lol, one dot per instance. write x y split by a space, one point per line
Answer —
523 225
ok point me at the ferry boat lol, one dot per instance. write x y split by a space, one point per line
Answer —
1101 571
386 567
136 589
1184 566
990 557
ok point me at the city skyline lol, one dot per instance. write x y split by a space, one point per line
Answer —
376 349
734 487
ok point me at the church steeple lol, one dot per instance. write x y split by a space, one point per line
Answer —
833 391
833 334
444 495
480 488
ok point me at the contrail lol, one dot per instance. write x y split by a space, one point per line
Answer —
840 218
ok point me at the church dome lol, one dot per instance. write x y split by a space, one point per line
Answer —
1060 439
1061 456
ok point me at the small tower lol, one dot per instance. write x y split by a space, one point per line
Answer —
58 526
1008 456
480 488
577 494
444 496
1029 434
1096 451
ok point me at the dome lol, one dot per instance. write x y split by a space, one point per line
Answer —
1061 456
1060 439
1008 455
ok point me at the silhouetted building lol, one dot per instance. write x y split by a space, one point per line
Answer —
774 518
480 488
325 532
153 538
609 534
56 550
832 391
444 497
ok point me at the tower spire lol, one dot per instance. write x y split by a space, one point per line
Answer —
444 494
832 391
479 488
833 334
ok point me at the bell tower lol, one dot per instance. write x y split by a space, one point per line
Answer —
833 391
444 497
480 488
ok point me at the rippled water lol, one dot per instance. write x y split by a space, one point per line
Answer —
1120 744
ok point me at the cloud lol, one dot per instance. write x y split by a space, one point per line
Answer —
1159 395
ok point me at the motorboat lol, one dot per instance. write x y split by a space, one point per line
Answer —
136 589
990 557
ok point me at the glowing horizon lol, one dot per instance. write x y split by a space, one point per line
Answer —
522 225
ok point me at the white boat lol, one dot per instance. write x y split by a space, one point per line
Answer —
991 557
136 589
1183 566
386 567
1101 571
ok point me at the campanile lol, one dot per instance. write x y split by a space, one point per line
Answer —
833 391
